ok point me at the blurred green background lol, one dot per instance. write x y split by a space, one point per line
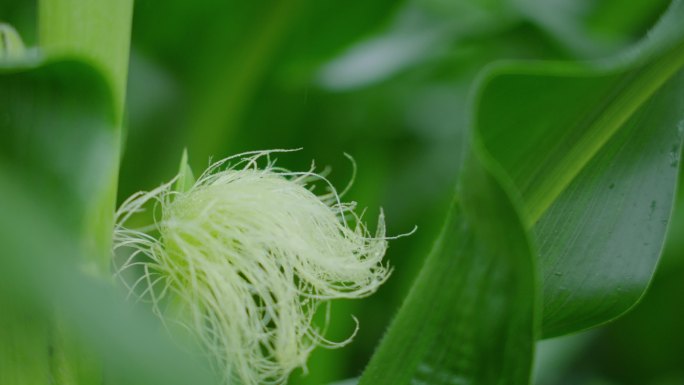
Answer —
386 81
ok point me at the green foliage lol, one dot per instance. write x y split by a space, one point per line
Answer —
590 152
593 152
96 31
66 146
557 224
56 169
43 277
480 272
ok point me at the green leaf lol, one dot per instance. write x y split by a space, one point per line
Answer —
97 31
58 162
601 239
62 136
40 272
554 136
593 152
185 177
470 316
24 358
59 130
59 136
11 46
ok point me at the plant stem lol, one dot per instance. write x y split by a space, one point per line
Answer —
97 31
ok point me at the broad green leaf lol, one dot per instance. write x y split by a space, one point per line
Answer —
58 158
40 272
59 130
601 239
62 132
545 125
470 316
97 31
59 135
593 151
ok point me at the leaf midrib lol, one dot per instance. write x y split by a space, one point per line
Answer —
644 83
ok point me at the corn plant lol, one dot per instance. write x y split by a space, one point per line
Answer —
535 146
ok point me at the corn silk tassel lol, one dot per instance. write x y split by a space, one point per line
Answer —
244 257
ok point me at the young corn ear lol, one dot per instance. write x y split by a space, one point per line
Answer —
243 257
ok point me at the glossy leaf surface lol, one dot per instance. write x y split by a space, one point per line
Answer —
593 151
589 154
470 315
